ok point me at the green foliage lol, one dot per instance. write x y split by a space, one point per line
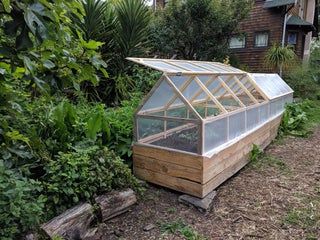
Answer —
305 79
81 174
255 153
294 120
183 229
122 25
39 46
196 29
279 58
21 206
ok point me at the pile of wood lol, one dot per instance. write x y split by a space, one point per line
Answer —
76 223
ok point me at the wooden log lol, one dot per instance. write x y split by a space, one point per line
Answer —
73 223
115 203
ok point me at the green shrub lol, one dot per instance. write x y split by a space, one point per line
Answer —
21 206
82 174
304 81
294 120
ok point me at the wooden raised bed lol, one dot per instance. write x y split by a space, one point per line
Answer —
195 174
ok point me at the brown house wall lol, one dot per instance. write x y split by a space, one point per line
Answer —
260 19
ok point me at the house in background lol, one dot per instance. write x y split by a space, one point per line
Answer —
284 22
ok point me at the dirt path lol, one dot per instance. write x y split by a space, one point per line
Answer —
277 197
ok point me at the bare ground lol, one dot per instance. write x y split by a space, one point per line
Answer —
276 197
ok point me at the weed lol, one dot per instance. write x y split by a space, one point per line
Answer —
306 217
258 159
255 153
181 228
172 210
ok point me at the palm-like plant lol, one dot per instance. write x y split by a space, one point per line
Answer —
121 24
280 58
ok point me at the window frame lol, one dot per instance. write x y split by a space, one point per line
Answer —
267 32
243 36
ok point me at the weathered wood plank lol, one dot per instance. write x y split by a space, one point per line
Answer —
167 168
179 184
223 176
188 160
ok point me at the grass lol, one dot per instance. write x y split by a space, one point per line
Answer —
313 113
181 228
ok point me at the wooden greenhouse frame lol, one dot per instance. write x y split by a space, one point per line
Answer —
197 125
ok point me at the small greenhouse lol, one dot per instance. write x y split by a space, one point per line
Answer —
197 110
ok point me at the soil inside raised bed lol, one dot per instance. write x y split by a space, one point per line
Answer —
185 140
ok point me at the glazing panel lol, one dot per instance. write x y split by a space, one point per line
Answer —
264 113
237 124
271 84
179 80
211 67
252 118
215 134
189 66
163 66
148 127
160 97
180 136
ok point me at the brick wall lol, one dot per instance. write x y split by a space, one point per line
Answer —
260 19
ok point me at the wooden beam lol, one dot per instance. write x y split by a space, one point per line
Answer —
200 90
182 88
257 87
210 95
182 97
231 92
246 90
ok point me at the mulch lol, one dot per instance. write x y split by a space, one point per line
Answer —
254 204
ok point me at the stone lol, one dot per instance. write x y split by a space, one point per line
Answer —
203 204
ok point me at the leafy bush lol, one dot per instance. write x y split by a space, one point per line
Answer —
294 120
305 79
82 174
196 29
21 206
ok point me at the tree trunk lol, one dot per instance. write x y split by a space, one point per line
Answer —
115 203
72 224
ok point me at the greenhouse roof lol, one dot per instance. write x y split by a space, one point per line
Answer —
271 84
185 66
190 90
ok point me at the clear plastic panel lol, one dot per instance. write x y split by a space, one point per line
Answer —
252 118
237 125
178 81
211 67
276 106
271 84
160 97
163 66
180 136
189 66
264 112
149 127
215 134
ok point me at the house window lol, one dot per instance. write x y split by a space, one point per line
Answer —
237 42
261 39
292 38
